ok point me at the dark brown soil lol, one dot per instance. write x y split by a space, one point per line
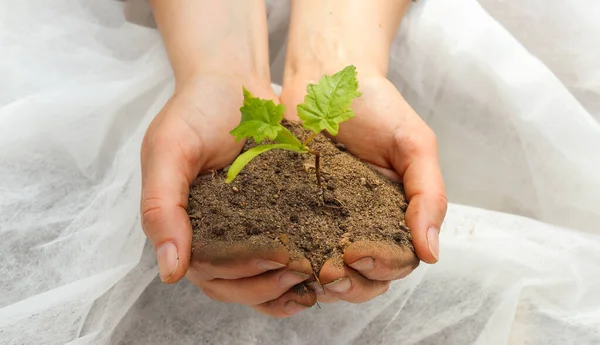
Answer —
276 199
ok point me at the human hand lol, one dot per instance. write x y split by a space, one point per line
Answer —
215 48
389 135
385 132
188 137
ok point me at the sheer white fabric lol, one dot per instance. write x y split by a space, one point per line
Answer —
512 88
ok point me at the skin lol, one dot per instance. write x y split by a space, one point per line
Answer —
215 47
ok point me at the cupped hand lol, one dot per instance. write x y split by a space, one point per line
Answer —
387 133
188 137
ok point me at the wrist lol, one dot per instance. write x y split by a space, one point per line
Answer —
302 69
313 52
240 57
326 36
242 66
219 37
311 69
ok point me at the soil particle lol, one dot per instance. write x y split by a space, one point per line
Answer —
276 199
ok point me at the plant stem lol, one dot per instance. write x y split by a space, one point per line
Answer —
318 167
312 136
289 135
317 155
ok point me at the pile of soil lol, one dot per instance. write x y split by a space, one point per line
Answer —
276 199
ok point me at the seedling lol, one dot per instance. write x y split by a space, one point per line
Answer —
325 106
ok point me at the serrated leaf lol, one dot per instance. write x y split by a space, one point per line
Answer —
260 119
328 102
245 158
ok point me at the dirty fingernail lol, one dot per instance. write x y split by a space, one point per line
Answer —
168 260
268 265
363 264
433 241
340 286
317 288
288 279
293 308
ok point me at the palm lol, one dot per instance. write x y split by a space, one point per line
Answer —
387 133
190 135
196 122
383 118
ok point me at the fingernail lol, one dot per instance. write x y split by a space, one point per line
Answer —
433 239
268 265
363 264
288 279
340 286
317 288
293 308
168 260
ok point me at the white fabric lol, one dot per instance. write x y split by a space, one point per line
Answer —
512 88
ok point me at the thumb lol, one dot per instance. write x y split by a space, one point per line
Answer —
165 190
416 160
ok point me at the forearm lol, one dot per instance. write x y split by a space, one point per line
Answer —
326 35
227 36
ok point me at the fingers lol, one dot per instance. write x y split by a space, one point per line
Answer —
347 284
240 260
415 157
290 303
258 289
165 191
380 261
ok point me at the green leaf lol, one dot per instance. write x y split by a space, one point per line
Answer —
286 137
247 156
328 102
260 119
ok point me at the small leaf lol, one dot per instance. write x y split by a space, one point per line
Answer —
260 119
286 137
328 102
247 156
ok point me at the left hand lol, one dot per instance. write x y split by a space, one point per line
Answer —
387 133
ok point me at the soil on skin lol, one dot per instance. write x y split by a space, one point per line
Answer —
275 199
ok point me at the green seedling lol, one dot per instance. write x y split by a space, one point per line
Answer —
325 106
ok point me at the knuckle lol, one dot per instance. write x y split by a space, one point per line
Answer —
252 295
380 272
199 270
161 137
369 292
441 199
153 140
210 293
430 138
258 298
404 142
173 137
151 210
415 143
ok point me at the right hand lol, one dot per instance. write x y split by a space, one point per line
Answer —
188 137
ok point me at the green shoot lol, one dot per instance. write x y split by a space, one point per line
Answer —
247 156
260 119
326 105
328 102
